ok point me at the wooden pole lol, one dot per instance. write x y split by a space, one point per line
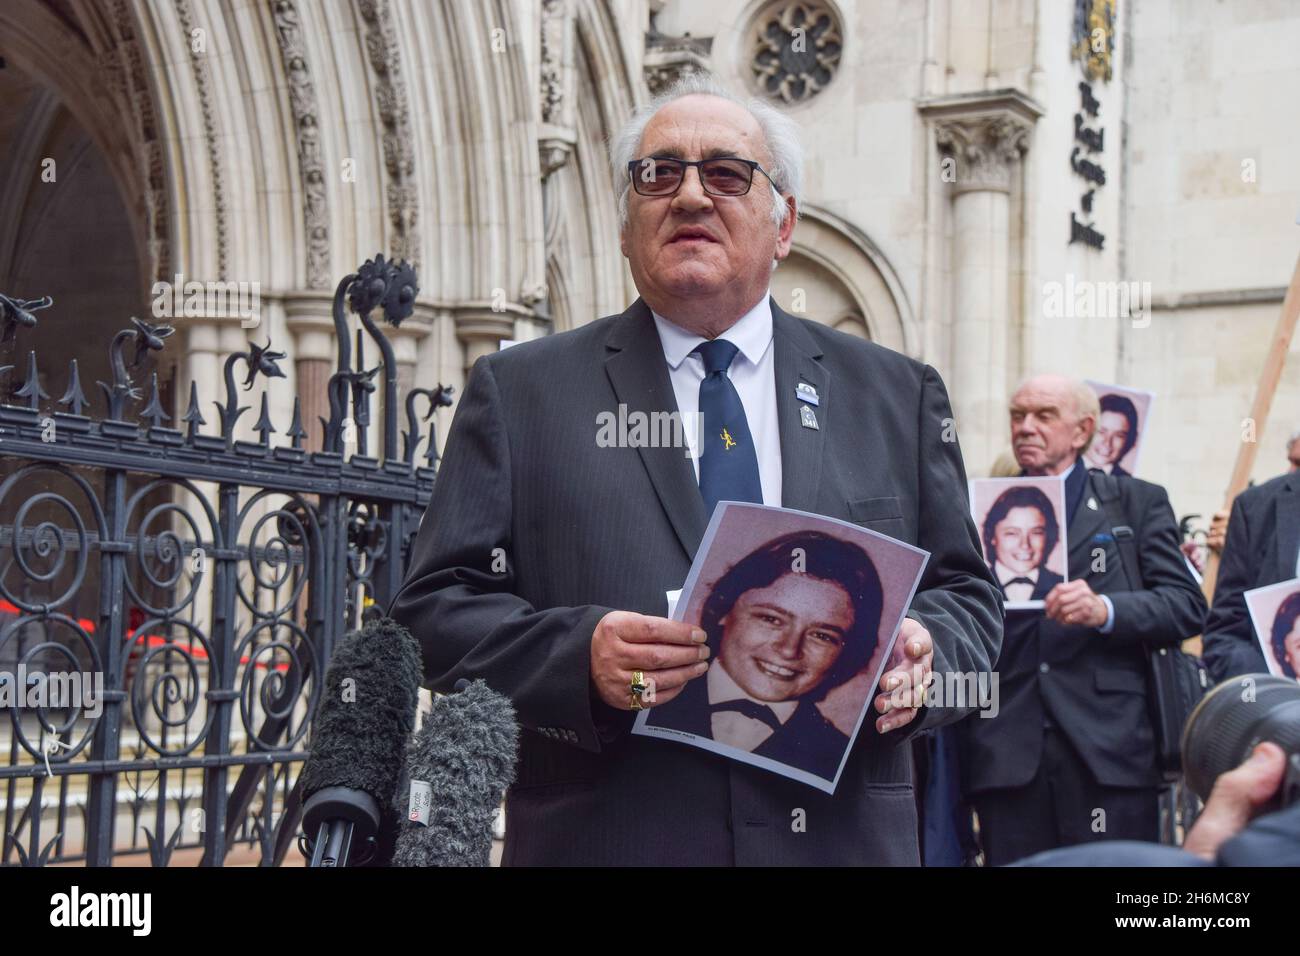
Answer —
1268 379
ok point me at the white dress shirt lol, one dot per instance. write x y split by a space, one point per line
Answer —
733 728
753 374
1019 591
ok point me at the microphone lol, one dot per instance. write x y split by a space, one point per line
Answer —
365 717
458 767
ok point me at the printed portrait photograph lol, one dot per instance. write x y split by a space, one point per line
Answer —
1117 440
1275 613
801 612
1021 522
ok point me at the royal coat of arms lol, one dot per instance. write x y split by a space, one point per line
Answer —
1093 39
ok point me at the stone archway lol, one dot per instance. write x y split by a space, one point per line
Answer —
78 215
845 282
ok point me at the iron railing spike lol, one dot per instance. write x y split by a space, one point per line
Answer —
74 395
31 389
154 410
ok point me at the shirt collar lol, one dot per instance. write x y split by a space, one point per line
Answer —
752 334
1005 574
1076 480
722 688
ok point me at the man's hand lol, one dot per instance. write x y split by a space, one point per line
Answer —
1218 532
1237 796
1192 551
906 677
668 653
1074 603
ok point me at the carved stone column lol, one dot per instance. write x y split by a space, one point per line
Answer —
981 138
308 315
480 329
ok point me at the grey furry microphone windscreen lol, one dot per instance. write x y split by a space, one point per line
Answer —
365 718
463 759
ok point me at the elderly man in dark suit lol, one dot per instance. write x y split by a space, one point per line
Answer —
1070 756
1262 548
544 558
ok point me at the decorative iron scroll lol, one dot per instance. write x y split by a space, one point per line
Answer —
202 578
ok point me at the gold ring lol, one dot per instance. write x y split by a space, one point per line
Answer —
638 687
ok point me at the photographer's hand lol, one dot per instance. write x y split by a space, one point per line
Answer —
1237 796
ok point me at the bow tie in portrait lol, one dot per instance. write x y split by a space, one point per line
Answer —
749 708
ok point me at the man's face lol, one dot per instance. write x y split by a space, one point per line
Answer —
692 245
1108 444
1293 457
778 642
1046 429
1019 539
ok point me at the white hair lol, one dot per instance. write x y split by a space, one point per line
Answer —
780 134
1082 397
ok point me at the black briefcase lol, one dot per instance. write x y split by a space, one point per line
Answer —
1176 682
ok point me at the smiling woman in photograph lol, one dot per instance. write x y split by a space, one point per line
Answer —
786 624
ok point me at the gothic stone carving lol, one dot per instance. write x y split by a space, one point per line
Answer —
796 50
395 115
986 148
311 167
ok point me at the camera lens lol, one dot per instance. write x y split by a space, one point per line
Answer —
1232 719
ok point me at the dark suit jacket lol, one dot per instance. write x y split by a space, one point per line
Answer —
807 741
1272 840
587 530
1092 686
1263 539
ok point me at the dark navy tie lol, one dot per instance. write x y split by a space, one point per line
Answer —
728 459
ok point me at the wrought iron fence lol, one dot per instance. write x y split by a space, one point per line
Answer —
200 579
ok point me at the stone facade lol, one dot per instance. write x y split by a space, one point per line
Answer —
952 158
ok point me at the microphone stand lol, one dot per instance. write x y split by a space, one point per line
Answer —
343 813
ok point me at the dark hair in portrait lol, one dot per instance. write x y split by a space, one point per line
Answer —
827 558
1021 496
1121 405
1283 622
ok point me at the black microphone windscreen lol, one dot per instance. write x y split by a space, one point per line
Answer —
366 713
465 752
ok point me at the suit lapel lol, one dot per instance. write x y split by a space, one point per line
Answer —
1087 522
638 372
795 360
1288 530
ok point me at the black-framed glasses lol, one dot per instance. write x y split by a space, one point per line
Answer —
721 176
